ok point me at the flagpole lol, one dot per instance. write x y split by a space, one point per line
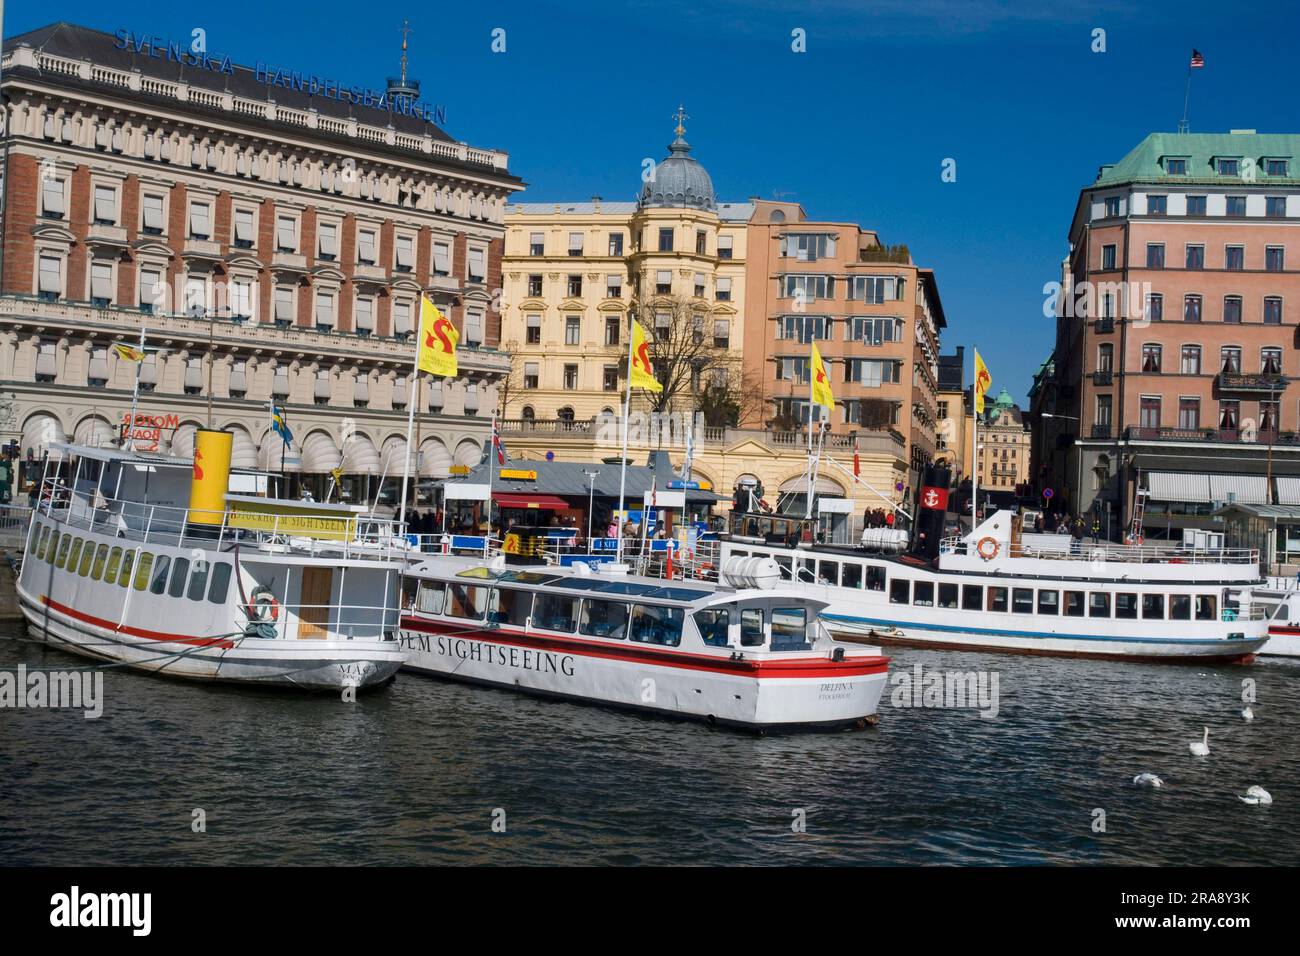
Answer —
807 513
410 428
1187 93
975 443
622 467
492 467
129 444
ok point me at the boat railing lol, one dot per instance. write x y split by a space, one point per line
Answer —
346 537
344 621
1110 551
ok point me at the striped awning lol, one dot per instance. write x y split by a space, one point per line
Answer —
1178 486
1288 490
1243 489
360 456
319 454
243 453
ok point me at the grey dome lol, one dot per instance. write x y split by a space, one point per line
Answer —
679 181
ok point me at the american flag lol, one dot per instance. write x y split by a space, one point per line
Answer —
1198 61
498 444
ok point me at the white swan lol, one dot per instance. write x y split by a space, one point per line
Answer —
1247 713
1257 796
1148 780
1201 748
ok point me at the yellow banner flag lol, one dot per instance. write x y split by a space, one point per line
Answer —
641 372
821 382
128 354
983 382
438 337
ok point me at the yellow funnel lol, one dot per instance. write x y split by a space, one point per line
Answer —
211 478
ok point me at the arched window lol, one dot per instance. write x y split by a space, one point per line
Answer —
528 413
565 414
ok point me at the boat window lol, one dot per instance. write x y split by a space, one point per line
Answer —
997 599
555 612
1049 602
42 538
160 568
180 571
851 577
972 597
101 555
1205 607
124 576
220 585
431 598
198 580
828 572
899 591
654 624
923 593
1180 607
1098 604
876 578
50 546
751 628
1126 605
114 565
1153 606
74 554
785 566
466 601
604 619
737 554
87 557
64 543
508 606
142 569
712 623
790 628
1022 600
1074 603
947 595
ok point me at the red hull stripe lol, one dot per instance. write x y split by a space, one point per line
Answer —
1280 629
807 667
133 631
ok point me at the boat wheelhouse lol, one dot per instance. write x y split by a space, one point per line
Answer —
257 590
730 653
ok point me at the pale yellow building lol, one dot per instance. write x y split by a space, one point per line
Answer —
1004 442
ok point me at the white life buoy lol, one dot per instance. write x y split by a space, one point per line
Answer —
263 606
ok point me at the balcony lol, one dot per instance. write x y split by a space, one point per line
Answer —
1100 431
1220 436
1104 326
448 284
1267 382
366 272
283 262
1103 377
201 249
105 236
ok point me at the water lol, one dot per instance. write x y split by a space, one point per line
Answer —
413 773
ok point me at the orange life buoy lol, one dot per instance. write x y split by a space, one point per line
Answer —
701 570
264 606
987 548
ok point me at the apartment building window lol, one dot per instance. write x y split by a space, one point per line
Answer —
1191 364
363 323
1230 360
1105 357
1196 205
286 234
1272 310
1275 207
663 322
1157 205
1234 258
872 373
724 247
52 198
473 328
1274 258
1270 361
194 377
200 220
241 299
701 242
151 287
1192 308
105 206
1228 167
663 281
536 244
196 297
324 311
1236 205
722 289
284 316
321 394
1276 167
151 216
808 247
808 288
721 333
1195 257
441 259
1268 416
665 240
1189 413
366 254
403 318
101 283
699 285
1229 415
792 369
572 330
1155 255
1104 410
477 270
97 373
327 241
532 372
244 230
575 243
47 361
535 285
612 324
1232 309
1108 257
615 243
1112 207
570 377
533 329
613 287
1149 413
1155 307
1175 167
609 378
575 286
404 254
1151 358
803 328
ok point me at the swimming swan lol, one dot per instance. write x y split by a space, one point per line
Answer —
1257 796
1201 748
1148 780
1247 713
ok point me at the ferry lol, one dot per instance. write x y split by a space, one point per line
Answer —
151 562
998 589
1280 601
741 652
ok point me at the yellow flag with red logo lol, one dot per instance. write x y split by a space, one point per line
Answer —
438 337
128 354
642 373
983 382
821 382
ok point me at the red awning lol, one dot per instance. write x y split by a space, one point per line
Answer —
508 499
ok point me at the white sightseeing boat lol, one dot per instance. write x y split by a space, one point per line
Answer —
256 590
734 652
1280 602
998 590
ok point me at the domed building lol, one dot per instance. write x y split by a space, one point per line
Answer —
679 181
1004 444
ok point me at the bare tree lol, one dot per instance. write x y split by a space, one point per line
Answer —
731 397
512 383
683 352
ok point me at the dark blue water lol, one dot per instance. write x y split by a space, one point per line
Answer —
413 773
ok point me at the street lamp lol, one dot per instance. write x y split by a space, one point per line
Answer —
591 498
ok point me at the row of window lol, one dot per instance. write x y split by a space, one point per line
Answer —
614 285
870 289
666 243
1234 257
1151 407
857 328
1194 308
129 567
615 323
871 373
1230 359
1198 204
871 413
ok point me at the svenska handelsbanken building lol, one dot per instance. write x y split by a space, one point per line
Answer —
284 221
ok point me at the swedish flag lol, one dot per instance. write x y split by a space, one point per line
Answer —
279 425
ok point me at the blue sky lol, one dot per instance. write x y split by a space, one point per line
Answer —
856 128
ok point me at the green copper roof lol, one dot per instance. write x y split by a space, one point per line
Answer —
1146 163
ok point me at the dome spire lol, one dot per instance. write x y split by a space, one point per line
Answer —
680 115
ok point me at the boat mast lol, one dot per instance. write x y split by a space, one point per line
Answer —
622 462
975 443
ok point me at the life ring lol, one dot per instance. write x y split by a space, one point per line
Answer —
987 548
701 570
263 607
